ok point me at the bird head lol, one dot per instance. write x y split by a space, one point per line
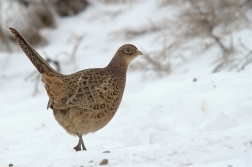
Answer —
128 52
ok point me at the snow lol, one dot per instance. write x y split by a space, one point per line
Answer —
170 121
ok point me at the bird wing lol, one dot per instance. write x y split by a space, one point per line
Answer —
56 91
93 88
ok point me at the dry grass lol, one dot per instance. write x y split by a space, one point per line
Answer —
196 26
237 64
29 16
211 20
69 7
71 57
129 33
117 1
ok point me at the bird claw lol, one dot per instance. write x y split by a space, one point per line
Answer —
77 148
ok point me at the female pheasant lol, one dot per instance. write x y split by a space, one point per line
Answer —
87 100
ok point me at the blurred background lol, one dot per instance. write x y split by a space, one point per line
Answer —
188 99
176 30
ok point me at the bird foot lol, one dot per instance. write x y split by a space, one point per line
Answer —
84 148
77 148
80 144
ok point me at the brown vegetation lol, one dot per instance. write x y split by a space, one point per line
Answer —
29 16
196 26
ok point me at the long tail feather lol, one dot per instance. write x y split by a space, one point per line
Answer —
42 66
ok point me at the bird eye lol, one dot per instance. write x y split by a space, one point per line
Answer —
127 50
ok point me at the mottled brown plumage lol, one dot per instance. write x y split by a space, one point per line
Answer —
87 100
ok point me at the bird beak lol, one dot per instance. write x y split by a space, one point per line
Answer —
138 52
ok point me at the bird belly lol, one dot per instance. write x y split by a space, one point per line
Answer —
83 121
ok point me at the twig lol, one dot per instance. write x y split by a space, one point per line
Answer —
78 39
238 64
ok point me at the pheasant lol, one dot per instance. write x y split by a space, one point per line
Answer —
87 100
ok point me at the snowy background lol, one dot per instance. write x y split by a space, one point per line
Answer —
191 117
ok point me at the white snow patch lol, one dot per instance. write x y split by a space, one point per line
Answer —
170 121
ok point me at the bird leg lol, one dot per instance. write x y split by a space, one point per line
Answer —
80 143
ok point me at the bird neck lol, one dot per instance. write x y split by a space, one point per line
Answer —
118 66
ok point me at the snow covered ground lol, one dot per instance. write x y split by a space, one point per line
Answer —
170 121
